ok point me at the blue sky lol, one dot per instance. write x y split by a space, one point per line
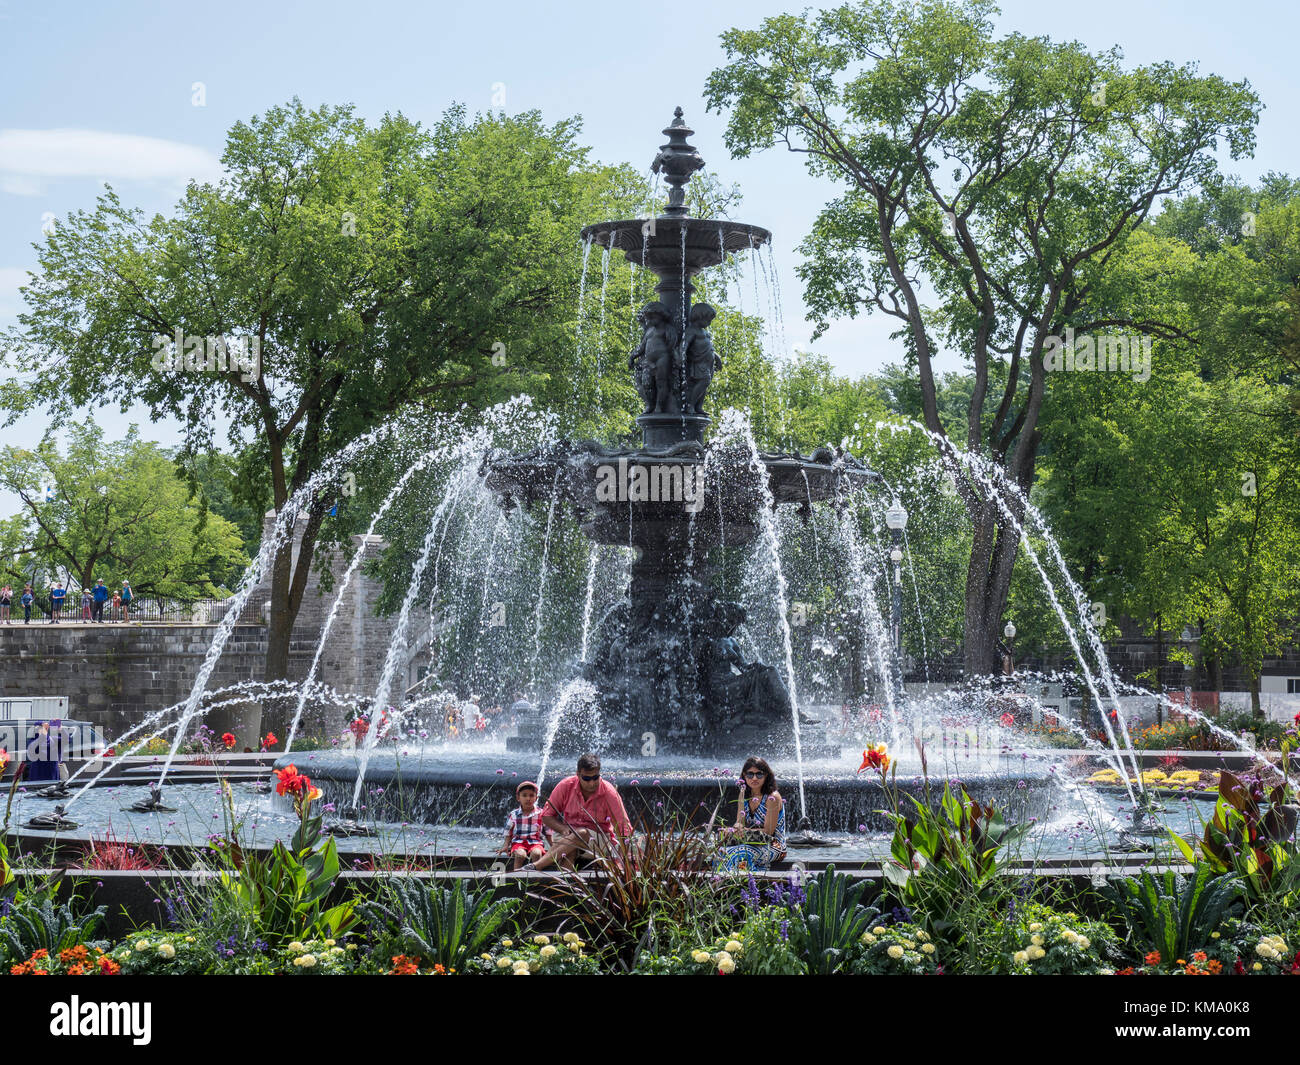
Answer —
95 92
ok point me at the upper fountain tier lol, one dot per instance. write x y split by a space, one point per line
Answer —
675 362
673 244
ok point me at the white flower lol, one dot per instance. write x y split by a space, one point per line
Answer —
1085 942
166 950
548 952
895 952
1036 940
700 957
868 938
1037 926
307 961
923 936
1020 957
503 963
733 947
521 972
295 947
541 941
142 945
725 964
1035 953
722 956
570 937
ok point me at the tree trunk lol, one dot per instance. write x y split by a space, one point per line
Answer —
988 584
1256 707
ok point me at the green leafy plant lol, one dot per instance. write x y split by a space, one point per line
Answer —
1252 836
1172 913
830 920
445 926
38 924
769 950
282 895
947 851
902 949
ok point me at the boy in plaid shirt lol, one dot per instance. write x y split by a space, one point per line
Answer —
525 835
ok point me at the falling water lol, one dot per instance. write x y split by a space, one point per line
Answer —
586 606
577 691
541 580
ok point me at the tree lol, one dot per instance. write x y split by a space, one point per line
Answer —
987 184
359 271
114 511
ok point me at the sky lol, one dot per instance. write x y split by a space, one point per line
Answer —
140 95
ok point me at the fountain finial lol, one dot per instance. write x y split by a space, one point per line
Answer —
677 160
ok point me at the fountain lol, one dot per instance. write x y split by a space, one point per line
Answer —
667 663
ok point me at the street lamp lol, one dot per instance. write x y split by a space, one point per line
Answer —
896 520
1009 661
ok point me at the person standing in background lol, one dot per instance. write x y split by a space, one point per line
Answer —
27 600
85 604
57 594
6 601
116 613
126 601
101 597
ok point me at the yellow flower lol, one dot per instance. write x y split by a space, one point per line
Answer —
923 936
521 972
1037 926
1214 935
548 952
142 945
486 957
733 947
329 942
1257 967
295 947
507 943
726 965
700 957
1020 957
504 963
895 952
1085 942
189 939
867 937
570 937
541 941
879 930
166 950
1035 953
927 948
575 948
307 961
1036 940
722 956
521 964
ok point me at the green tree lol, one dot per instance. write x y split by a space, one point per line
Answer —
987 182
377 269
116 511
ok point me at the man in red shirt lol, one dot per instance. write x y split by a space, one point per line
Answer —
577 808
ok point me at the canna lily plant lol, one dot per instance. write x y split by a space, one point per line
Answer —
284 894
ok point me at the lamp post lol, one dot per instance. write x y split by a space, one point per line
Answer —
896 520
1009 662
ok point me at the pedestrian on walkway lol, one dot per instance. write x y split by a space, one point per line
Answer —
57 594
101 597
85 604
27 599
126 601
6 601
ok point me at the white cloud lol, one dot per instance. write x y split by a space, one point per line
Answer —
29 155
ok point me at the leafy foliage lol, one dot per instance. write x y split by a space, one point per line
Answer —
445 926
831 919
1171 913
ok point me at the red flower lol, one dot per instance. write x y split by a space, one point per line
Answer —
1238 969
270 741
228 738
1007 719
288 781
1153 958
108 967
4 758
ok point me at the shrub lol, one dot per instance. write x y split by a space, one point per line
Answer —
1038 940
902 949
538 955
445 926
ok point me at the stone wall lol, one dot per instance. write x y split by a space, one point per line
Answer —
114 675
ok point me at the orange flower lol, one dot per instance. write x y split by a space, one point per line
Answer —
404 966
74 954
288 781
876 757
228 738
1153 958
108 967
1200 955
1215 967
